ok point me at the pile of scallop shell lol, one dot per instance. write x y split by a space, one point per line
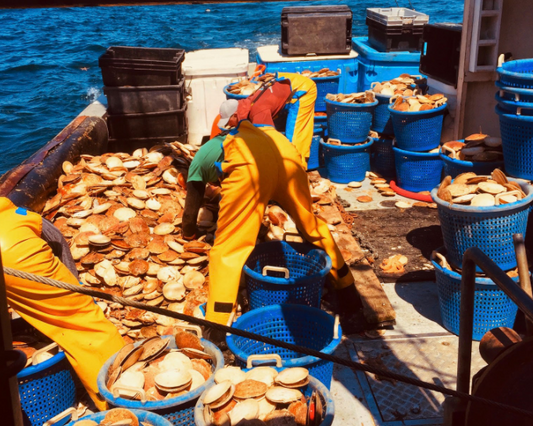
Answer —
121 215
477 147
261 396
153 372
36 350
366 97
324 72
402 85
480 191
440 258
418 102
244 87
115 417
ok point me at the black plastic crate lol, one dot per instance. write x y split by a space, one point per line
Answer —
385 38
147 125
124 76
131 144
137 99
319 30
441 58
146 55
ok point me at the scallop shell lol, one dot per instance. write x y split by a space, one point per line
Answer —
232 374
491 188
174 290
219 394
173 380
290 377
283 395
124 214
248 409
483 200
249 389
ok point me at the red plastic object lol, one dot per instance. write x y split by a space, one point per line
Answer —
409 194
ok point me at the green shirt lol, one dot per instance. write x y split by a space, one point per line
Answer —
204 165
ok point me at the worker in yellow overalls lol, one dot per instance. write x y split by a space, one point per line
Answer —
256 164
72 320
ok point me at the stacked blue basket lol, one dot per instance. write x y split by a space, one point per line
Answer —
297 324
145 417
515 109
350 123
382 122
303 268
492 307
417 171
325 85
179 411
382 157
347 163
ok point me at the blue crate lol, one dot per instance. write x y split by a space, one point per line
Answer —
347 64
490 229
307 266
350 123
230 95
517 143
381 121
514 94
492 307
296 324
345 164
180 410
143 416
382 157
314 384
517 73
325 85
382 66
417 171
418 131
46 389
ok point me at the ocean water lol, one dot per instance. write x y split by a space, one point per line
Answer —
49 57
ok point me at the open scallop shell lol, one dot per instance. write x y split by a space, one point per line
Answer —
283 395
232 374
219 394
293 377
244 410
491 188
483 200
173 380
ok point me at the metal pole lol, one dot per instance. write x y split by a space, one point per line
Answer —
11 410
523 272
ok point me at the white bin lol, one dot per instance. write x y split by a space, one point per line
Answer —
450 92
206 73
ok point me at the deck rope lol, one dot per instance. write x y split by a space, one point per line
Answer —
264 339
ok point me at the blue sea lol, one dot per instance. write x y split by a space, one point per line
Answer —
49 57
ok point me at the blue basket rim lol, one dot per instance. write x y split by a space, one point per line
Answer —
417 113
455 161
457 276
143 415
414 153
510 116
524 76
493 209
351 106
283 281
156 405
35 369
295 362
352 147
511 89
314 383
513 104
233 94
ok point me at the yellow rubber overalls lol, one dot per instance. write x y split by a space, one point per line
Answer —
300 129
71 320
260 165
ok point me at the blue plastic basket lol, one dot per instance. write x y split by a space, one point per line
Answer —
517 144
492 307
418 131
180 410
46 389
320 124
454 167
297 324
347 163
490 229
350 123
517 73
382 157
514 93
515 107
417 171
307 267
315 158
314 384
381 121
143 416
325 85
230 95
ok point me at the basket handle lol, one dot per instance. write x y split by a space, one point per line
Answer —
374 84
500 195
291 233
435 255
71 411
264 357
519 110
336 327
330 140
268 269
42 350
138 392
451 150
189 327
503 91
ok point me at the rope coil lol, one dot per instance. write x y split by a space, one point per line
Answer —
300 349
